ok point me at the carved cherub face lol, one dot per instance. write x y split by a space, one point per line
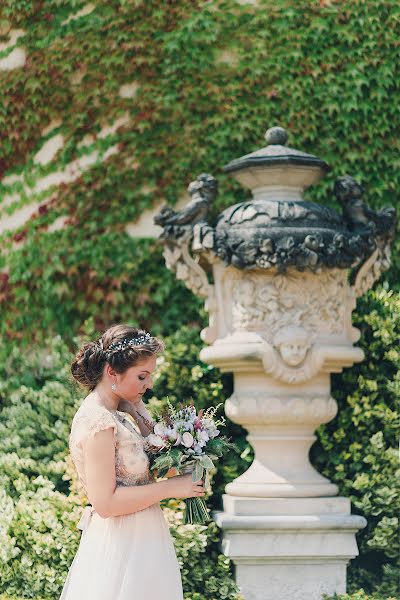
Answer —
293 344
293 353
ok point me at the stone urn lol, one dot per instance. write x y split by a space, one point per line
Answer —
280 277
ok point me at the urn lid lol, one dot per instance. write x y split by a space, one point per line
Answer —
277 164
277 227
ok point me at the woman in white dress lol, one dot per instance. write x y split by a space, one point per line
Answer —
126 550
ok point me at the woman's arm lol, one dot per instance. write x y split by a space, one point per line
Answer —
108 500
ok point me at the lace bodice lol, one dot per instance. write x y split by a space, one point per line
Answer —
131 461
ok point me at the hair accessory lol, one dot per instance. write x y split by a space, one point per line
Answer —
126 343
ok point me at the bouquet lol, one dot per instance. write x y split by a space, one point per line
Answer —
189 442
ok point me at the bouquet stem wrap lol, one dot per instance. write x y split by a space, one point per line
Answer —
195 508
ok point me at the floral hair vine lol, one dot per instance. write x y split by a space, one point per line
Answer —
127 343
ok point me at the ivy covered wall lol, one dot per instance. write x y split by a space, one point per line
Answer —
117 105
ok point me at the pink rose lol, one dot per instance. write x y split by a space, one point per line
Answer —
187 439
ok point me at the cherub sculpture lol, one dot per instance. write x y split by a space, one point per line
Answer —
202 192
292 357
356 212
293 344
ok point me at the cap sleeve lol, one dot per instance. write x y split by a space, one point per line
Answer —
87 424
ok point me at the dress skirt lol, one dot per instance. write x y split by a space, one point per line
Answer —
131 557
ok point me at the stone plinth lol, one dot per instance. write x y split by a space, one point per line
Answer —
289 548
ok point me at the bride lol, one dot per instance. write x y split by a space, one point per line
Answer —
126 550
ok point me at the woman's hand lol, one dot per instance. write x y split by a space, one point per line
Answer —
126 407
140 415
183 486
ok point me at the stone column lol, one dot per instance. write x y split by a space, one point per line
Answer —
274 271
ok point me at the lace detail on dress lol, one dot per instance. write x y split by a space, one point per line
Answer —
131 460
86 426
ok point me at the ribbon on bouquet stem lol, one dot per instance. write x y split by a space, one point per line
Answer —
85 519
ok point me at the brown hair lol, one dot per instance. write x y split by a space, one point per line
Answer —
87 367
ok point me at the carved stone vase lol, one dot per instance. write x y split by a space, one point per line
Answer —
280 277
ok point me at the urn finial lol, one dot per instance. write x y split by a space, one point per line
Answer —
276 136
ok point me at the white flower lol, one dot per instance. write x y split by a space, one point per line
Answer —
159 429
187 439
210 427
178 439
179 425
204 435
171 433
155 440
197 448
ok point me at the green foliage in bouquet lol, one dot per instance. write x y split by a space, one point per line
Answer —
189 440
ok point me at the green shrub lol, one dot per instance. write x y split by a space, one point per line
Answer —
359 595
182 377
357 450
203 567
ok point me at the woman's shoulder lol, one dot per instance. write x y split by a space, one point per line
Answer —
91 418
89 407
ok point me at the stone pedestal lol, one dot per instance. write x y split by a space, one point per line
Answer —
288 534
289 548
280 277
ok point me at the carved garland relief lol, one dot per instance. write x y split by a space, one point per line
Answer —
290 312
316 303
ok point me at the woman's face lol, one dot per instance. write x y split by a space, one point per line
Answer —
133 383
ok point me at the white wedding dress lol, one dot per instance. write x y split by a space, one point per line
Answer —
131 557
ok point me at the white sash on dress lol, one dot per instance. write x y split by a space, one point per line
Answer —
85 518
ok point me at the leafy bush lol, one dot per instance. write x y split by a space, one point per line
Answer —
359 595
357 450
203 567
181 377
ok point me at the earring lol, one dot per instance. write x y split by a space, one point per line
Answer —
113 387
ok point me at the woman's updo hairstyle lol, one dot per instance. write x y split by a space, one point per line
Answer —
121 346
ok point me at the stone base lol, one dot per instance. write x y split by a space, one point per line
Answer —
289 580
289 548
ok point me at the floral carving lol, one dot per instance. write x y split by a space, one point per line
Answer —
315 303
